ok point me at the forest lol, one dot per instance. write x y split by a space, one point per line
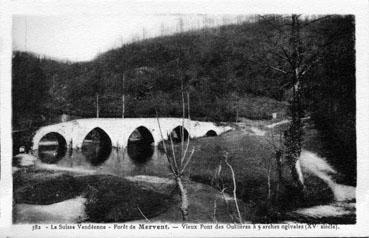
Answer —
247 70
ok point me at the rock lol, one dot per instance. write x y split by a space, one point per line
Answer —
24 160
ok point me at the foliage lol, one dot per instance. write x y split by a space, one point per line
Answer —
29 90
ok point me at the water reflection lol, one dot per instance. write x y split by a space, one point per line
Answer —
121 163
140 152
139 147
96 146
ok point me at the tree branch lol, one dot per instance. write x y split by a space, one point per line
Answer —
307 68
269 66
288 57
285 85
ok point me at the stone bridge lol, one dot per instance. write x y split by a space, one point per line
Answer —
118 131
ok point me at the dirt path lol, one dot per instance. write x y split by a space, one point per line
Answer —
311 163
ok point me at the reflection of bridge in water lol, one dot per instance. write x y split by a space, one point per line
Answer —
96 137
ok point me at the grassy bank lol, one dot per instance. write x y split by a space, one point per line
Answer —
40 195
249 156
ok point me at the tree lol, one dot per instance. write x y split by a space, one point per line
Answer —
332 101
29 91
293 50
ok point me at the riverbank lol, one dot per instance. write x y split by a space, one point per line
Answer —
43 196
252 157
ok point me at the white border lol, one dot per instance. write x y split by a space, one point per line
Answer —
38 7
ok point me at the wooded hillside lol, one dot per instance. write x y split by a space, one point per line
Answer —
227 71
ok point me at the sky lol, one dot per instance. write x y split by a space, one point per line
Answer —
83 37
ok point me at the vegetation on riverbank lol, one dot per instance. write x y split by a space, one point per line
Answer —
249 155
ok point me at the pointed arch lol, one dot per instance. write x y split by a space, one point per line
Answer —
140 145
142 134
176 134
97 146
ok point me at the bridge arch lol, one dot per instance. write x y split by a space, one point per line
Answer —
140 145
176 134
96 146
211 133
52 147
141 134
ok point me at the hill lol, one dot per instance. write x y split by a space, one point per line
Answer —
221 70
212 64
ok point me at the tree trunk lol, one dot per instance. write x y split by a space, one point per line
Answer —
184 198
294 133
269 185
97 106
278 157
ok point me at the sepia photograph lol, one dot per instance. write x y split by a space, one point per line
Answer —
183 118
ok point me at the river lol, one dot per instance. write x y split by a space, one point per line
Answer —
136 159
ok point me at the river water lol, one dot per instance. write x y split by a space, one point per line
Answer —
133 160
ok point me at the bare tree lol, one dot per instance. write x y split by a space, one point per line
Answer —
216 182
276 141
178 166
234 187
